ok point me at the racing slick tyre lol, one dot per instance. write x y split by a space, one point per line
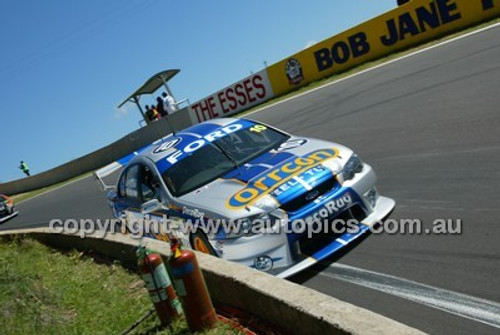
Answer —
199 242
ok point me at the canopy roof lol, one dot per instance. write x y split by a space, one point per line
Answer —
152 84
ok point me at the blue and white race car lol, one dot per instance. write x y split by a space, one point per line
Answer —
250 193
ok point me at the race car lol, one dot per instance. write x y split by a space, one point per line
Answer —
7 208
250 193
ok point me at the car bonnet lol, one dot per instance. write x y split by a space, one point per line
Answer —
272 179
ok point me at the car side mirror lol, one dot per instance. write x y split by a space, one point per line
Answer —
151 206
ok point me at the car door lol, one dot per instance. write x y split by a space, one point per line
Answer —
163 221
149 189
148 185
128 204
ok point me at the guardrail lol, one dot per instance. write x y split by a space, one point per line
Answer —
291 307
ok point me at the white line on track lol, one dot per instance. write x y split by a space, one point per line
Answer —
377 67
480 310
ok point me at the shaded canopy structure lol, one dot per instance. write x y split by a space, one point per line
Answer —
150 86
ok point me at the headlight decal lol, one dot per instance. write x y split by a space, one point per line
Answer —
352 166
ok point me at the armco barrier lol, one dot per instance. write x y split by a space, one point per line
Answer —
293 308
101 157
414 23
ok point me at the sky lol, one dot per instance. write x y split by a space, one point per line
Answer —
65 66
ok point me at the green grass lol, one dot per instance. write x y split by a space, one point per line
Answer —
365 66
45 292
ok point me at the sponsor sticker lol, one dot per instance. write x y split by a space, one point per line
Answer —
294 71
193 212
197 144
331 208
291 144
167 145
272 180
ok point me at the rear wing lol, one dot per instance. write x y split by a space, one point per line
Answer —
106 171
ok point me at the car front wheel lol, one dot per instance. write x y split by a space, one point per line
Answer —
199 242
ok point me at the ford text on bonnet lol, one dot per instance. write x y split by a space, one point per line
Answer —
252 194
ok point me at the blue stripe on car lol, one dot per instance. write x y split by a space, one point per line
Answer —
257 166
202 129
292 189
335 246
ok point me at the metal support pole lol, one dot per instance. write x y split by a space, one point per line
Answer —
136 100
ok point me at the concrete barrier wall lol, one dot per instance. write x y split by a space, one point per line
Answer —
290 307
101 157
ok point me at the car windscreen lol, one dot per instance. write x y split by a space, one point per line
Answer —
219 157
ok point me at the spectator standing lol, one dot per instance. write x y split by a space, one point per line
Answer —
169 104
156 115
25 168
159 106
149 113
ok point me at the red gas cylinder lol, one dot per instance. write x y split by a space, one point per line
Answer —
159 285
191 288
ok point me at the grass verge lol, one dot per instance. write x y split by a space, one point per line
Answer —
45 292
